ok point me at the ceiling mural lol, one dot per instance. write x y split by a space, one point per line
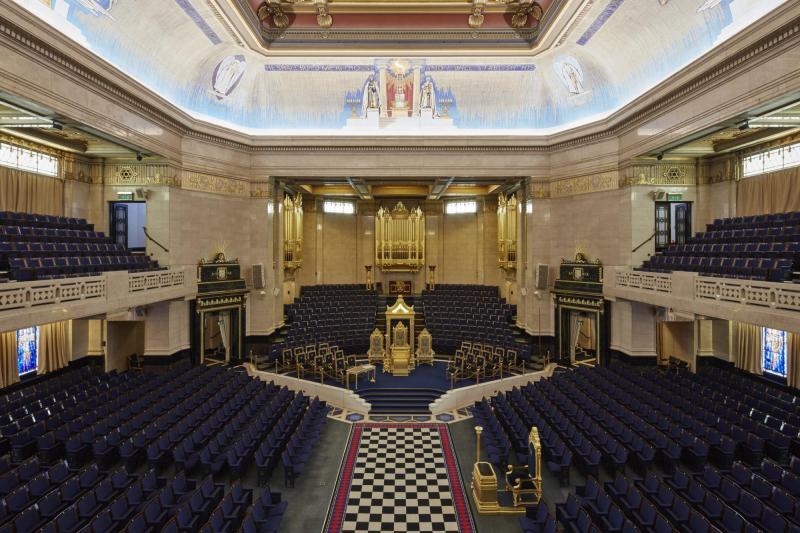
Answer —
188 54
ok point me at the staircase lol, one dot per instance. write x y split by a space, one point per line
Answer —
400 401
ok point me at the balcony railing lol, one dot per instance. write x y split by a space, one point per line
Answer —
758 302
31 302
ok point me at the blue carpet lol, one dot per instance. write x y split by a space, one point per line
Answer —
404 394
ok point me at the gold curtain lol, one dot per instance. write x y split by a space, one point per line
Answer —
53 347
30 193
776 192
793 360
9 373
747 347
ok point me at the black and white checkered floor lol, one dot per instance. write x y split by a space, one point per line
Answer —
401 477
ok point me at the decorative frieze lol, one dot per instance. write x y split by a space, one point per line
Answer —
80 169
538 188
719 169
261 189
605 181
196 181
142 174
662 173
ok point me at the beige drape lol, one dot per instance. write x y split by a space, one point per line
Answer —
793 360
9 373
747 347
776 192
54 347
30 193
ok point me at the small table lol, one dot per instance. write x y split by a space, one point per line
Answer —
357 371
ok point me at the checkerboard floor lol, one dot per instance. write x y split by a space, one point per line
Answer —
399 481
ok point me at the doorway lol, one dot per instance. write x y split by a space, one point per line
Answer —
673 223
581 330
126 225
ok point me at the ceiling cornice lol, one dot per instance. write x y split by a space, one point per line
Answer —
649 105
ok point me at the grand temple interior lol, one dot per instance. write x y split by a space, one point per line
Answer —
399 266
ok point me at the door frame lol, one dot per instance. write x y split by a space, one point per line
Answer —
112 230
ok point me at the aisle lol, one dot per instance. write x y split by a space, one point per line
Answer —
399 477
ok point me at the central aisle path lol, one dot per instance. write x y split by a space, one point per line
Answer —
399 477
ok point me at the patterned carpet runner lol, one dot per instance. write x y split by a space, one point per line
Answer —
399 477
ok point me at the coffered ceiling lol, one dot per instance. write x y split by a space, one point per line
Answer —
399 24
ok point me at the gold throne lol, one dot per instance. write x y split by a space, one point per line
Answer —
399 338
401 351
424 353
376 352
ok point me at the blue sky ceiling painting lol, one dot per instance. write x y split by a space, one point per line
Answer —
186 55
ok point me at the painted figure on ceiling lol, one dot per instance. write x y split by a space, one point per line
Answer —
570 72
371 98
427 98
227 74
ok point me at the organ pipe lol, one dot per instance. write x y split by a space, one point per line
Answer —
400 239
507 232
293 232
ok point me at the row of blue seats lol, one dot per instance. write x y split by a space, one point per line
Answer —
765 269
669 431
538 519
19 436
301 444
755 221
35 268
212 457
744 424
186 454
266 513
15 218
772 234
494 438
556 454
9 250
669 413
271 449
56 387
32 234
761 249
768 399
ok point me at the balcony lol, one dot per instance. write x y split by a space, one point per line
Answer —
756 302
24 304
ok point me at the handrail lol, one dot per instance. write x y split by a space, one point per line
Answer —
650 238
153 240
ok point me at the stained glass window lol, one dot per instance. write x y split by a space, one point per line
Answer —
773 351
27 350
